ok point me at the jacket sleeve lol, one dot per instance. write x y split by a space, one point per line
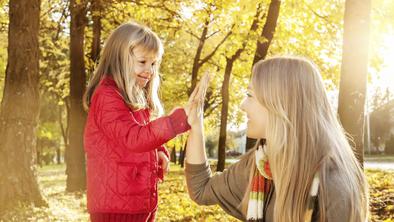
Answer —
115 120
226 188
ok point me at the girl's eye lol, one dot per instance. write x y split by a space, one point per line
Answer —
142 62
248 94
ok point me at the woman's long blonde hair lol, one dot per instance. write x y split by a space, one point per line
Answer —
117 60
304 136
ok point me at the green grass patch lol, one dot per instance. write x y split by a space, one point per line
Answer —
379 158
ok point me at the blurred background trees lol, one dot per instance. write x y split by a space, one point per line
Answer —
220 37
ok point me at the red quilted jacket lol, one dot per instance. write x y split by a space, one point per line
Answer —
121 147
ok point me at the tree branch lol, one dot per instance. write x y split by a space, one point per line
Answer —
212 34
192 34
204 60
161 5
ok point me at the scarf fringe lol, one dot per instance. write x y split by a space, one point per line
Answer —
261 185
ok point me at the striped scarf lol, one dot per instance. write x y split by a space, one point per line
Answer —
261 185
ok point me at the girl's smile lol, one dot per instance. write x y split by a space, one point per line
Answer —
143 78
144 65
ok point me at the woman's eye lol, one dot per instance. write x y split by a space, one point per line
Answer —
142 62
248 95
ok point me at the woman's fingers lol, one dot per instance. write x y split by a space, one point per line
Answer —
192 117
194 92
200 96
201 86
194 108
204 86
192 96
200 108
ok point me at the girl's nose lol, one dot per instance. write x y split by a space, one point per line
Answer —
149 69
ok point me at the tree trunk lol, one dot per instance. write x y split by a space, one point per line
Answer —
262 47
173 155
58 155
96 17
64 129
20 107
225 91
182 156
64 135
198 62
223 116
354 71
268 31
75 155
197 57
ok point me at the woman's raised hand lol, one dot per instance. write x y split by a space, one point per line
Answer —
195 106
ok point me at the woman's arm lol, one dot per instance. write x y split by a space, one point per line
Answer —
225 189
195 143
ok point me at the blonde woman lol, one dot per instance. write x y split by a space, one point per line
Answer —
302 168
124 145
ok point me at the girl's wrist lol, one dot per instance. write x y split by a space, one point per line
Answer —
178 120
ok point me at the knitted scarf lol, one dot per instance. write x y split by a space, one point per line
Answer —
262 183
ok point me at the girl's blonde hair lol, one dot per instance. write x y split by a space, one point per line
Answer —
303 137
117 60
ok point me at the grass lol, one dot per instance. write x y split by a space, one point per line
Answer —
174 202
379 158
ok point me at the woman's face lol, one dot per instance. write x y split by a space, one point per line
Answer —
144 64
257 115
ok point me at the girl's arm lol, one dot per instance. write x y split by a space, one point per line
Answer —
115 120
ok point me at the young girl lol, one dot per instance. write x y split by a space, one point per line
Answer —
302 169
125 152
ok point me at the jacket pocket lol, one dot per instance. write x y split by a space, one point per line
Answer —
132 178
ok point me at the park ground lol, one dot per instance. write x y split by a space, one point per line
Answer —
174 203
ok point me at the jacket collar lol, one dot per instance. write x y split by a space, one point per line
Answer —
108 79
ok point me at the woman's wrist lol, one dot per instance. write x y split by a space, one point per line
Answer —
197 126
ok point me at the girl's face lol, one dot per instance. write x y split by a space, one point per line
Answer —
144 64
257 115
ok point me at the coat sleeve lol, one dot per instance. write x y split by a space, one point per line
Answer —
226 188
115 120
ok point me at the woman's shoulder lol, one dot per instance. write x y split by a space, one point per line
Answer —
244 164
336 183
339 195
248 158
337 180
